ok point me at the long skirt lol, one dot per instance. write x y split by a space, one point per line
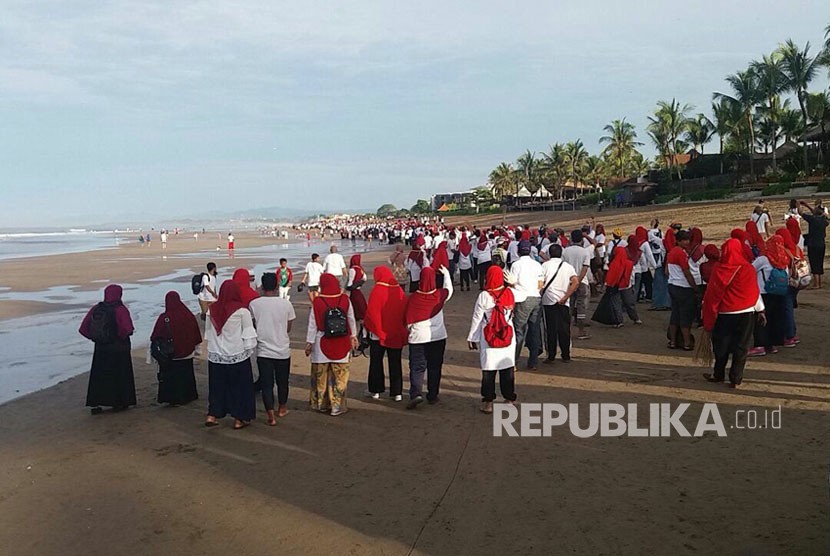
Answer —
177 383
660 290
358 304
328 386
609 309
231 390
111 380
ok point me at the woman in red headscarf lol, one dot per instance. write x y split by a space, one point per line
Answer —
619 292
416 262
177 383
501 360
484 257
385 321
794 229
242 278
427 336
712 254
753 237
109 325
729 312
357 277
793 251
741 236
331 335
465 261
440 258
772 271
231 341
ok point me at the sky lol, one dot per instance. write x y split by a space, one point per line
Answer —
110 109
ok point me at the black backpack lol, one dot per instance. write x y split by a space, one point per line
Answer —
335 323
102 328
196 283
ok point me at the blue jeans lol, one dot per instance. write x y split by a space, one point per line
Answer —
426 359
527 322
789 314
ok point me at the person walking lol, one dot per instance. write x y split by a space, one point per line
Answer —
273 316
311 277
527 280
580 259
207 295
109 325
817 222
560 283
285 278
334 264
177 383
385 324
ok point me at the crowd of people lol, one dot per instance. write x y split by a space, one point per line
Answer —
535 288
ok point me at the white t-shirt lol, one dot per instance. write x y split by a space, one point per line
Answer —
528 274
761 220
334 264
763 269
208 281
600 241
577 256
313 271
559 287
272 315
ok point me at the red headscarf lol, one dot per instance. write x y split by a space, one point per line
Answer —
183 326
464 245
794 228
242 278
619 270
776 253
712 255
696 245
386 309
441 258
420 242
482 241
563 240
733 285
633 249
331 296
494 285
789 244
123 321
754 236
229 302
669 241
428 301
642 234
354 263
417 256
740 235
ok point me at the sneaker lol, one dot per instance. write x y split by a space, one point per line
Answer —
638 322
434 400
414 402
757 352
373 395
338 411
772 351
398 398
796 339
791 343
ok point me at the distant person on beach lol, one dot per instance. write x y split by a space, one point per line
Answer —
163 237
208 296
148 240
465 262
354 283
111 380
285 278
427 336
141 239
330 338
230 242
231 341
334 264
311 277
817 222
177 383
386 327
273 315
761 218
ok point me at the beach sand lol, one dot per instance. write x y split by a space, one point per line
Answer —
383 480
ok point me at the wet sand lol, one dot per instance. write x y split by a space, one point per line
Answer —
383 480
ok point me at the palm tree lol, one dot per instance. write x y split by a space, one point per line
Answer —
622 143
799 69
527 167
502 179
576 160
699 131
772 82
818 108
596 170
552 168
665 128
746 94
791 124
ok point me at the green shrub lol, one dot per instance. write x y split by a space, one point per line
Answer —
776 189
824 186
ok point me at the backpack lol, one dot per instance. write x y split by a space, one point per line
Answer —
335 323
497 332
800 276
162 349
102 328
196 283
777 283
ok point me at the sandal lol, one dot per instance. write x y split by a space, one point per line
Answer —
239 425
688 348
711 378
672 345
211 422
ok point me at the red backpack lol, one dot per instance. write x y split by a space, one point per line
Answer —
497 332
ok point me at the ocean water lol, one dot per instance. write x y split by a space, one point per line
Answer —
15 245
41 350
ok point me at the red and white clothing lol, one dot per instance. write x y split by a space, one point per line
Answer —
677 262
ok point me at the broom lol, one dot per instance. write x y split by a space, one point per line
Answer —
704 355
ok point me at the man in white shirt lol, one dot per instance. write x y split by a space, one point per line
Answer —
273 317
207 295
580 259
526 277
560 283
334 264
311 278
761 219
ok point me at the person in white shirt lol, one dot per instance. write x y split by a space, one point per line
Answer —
427 336
163 239
761 219
415 263
334 264
231 341
501 360
580 259
484 249
560 282
311 278
526 281
207 295
273 317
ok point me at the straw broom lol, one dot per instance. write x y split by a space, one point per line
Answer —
704 354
